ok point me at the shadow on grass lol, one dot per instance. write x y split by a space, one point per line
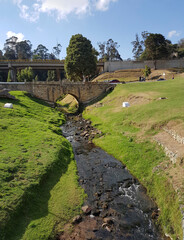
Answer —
35 201
38 100
13 101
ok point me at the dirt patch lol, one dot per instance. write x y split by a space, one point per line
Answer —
82 231
139 98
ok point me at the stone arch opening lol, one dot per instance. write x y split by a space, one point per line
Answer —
68 103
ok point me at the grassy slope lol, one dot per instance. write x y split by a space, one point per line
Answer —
39 190
127 136
134 74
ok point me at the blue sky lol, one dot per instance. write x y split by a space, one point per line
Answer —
50 21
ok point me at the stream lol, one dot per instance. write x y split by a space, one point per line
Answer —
117 206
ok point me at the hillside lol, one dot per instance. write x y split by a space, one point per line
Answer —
148 138
39 189
134 74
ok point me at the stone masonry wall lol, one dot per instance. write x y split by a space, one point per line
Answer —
160 64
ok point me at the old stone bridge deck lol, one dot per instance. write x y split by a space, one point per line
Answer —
51 91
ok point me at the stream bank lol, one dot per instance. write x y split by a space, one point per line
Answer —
117 206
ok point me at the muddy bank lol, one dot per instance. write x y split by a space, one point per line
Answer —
117 206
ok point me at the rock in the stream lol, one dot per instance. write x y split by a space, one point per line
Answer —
86 209
77 219
108 220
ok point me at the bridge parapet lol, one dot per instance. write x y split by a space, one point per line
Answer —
51 91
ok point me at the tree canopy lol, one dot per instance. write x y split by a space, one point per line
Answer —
109 51
80 61
138 45
156 47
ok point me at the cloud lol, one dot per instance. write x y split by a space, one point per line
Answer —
10 34
103 5
30 13
60 9
173 33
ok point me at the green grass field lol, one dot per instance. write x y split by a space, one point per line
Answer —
128 136
39 189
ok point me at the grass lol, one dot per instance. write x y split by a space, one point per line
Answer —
131 75
128 137
39 189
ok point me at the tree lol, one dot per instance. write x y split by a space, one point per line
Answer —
57 50
109 51
181 43
23 49
9 76
1 55
147 71
10 48
51 75
9 54
139 45
80 61
41 52
156 47
25 74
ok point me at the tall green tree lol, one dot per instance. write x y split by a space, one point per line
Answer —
139 44
51 75
9 76
23 49
80 61
137 47
156 47
41 52
10 54
10 48
1 55
57 50
109 51
25 74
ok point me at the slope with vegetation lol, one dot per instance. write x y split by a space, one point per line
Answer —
129 134
39 189
132 75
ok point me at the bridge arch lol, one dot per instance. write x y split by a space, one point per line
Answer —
85 93
68 103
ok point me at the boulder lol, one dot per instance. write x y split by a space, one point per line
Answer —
8 105
86 209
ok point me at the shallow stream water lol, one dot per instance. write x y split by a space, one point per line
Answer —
116 200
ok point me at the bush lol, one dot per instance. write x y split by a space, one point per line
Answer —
147 71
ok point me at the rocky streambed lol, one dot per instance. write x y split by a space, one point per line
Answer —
117 206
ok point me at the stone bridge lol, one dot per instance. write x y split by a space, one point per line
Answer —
85 93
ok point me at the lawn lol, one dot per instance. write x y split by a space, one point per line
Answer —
39 189
128 135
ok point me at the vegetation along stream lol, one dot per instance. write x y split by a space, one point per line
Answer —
117 206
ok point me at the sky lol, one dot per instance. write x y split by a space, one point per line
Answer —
49 22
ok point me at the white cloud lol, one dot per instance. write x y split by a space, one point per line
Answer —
103 5
173 33
29 13
10 34
60 9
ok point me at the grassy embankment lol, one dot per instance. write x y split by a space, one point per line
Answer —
39 189
128 135
132 75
